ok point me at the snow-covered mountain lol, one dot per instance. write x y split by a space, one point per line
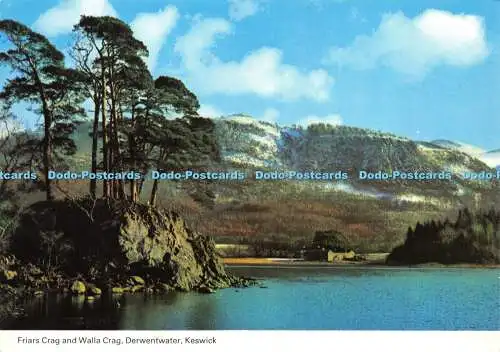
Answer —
251 144
248 142
460 146
490 158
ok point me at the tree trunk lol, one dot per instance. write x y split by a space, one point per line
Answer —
133 183
121 189
95 138
112 155
145 170
113 133
133 190
47 151
139 188
105 184
154 191
131 145
47 139
111 158
118 185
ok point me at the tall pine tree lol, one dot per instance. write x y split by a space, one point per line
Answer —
42 79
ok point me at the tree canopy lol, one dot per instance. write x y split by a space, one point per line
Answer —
41 79
139 122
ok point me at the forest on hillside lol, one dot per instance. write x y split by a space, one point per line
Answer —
471 238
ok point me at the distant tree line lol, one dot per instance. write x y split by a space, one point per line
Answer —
471 238
326 128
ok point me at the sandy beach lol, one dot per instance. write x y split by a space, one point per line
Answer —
372 259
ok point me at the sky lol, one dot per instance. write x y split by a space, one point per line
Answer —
423 69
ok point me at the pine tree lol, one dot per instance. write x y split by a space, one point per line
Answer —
43 80
118 53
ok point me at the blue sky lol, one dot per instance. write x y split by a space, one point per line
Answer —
421 69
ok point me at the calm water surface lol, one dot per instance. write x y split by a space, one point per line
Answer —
298 298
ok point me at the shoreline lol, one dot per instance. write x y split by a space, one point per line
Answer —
370 259
375 263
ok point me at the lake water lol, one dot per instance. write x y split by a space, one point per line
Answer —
298 298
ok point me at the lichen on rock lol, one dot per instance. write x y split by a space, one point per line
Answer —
7 275
78 288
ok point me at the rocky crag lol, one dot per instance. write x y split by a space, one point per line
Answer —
111 241
91 247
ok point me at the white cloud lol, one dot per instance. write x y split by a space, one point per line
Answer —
261 72
61 18
206 110
153 29
414 46
332 119
240 9
270 115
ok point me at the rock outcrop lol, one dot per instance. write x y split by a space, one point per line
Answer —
116 242
78 288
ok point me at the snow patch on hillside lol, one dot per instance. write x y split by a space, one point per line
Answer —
347 188
268 142
350 189
414 198
492 159
248 120
460 146
243 159
425 148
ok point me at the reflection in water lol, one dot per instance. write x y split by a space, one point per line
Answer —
140 311
192 311
77 303
295 298
204 315
57 311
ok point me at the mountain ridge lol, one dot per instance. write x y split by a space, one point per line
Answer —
374 214
250 144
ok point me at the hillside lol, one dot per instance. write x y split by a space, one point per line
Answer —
252 144
257 145
459 146
373 214
491 158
